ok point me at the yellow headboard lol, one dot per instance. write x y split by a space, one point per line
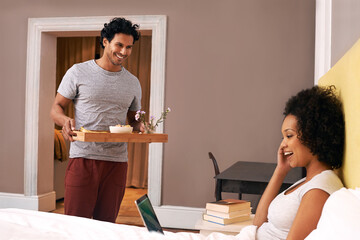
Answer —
345 75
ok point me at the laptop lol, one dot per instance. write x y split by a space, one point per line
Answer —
148 215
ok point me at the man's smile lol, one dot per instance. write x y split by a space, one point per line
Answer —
119 56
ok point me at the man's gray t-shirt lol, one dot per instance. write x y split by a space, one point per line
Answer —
101 99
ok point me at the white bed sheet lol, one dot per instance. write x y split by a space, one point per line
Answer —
33 225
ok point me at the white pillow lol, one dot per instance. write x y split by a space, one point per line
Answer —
340 218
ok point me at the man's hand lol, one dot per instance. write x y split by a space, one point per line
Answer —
68 128
138 126
141 127
57 114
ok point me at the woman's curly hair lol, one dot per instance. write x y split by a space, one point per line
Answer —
320 122
119 25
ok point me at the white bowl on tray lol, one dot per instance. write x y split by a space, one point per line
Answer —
121 129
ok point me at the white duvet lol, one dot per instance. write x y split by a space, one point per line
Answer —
340 219
34 225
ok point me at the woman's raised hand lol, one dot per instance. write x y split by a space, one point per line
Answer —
283 164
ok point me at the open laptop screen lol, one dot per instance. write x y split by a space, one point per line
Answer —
148 214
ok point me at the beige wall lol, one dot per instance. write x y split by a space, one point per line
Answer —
231 65
345 27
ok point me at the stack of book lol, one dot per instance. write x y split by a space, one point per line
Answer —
227 211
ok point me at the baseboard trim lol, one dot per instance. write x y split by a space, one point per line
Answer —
178 217
44 202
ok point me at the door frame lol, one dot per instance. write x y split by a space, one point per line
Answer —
42 34
323 33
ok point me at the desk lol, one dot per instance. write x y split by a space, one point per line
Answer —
251 178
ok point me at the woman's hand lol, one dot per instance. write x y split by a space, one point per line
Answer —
283 165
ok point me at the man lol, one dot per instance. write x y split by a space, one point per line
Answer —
104 94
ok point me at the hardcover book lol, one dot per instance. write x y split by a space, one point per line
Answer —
224 221
228 205
229 214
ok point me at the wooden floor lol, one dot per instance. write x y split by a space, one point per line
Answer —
128 213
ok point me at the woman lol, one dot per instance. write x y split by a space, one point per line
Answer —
313 137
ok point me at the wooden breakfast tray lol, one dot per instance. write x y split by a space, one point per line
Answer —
120 137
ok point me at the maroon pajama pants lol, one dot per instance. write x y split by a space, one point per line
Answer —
94 188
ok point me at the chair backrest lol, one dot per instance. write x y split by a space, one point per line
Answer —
216 167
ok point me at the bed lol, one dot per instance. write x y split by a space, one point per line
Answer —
339 220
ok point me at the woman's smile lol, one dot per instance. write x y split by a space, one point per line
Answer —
288 155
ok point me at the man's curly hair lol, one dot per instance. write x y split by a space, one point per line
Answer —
320 122
119 25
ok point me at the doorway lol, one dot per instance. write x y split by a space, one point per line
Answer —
41 67
72 50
